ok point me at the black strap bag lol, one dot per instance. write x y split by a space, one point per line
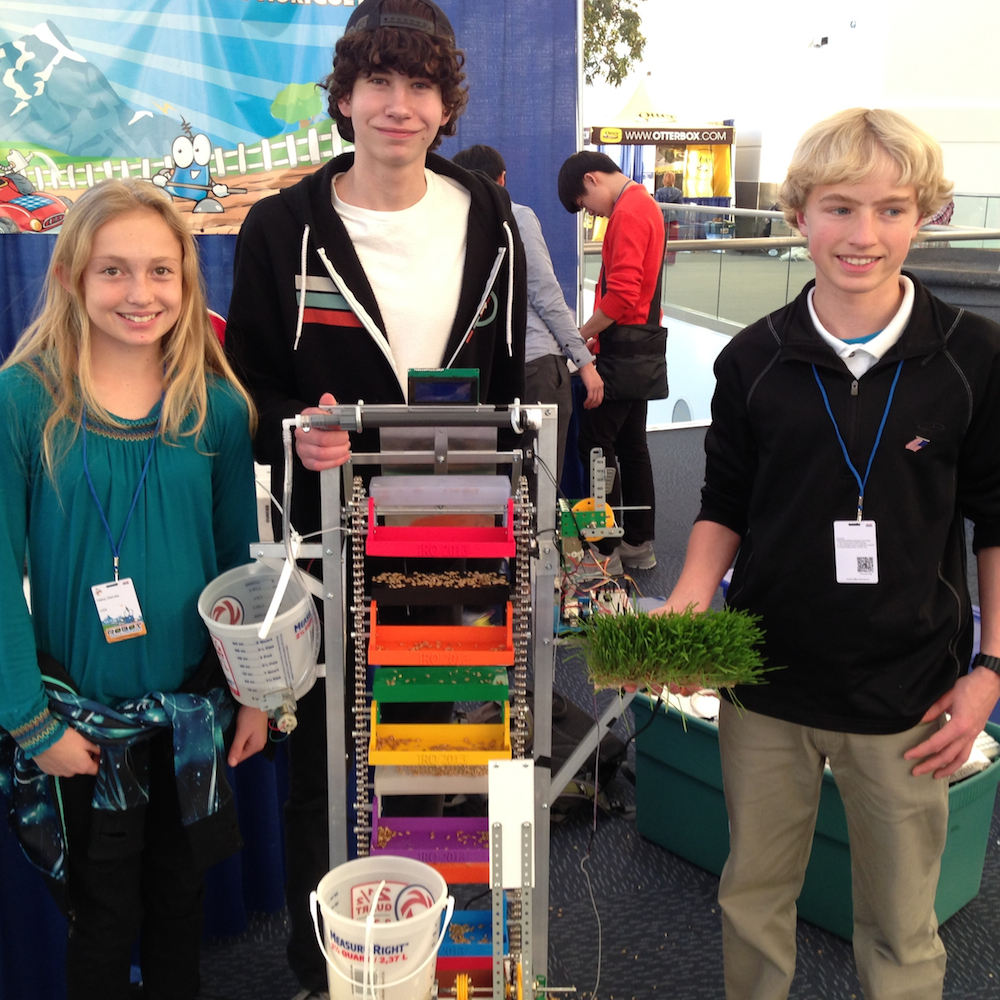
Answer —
633 359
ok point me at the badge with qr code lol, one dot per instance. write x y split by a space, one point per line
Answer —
855 551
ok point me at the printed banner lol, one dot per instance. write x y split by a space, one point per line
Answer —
606 135
213 100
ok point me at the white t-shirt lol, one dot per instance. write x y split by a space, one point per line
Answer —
414 260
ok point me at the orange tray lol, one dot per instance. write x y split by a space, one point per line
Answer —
447 744
462 874
421 541
441 645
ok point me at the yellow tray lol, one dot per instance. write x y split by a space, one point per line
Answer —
447 744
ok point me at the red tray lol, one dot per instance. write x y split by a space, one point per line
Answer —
425 542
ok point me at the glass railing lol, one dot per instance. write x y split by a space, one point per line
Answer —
733 280
977 210
715 285
711 273
736 287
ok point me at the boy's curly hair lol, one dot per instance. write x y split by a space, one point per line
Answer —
407 51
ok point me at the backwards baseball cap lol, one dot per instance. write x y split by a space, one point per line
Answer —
370 15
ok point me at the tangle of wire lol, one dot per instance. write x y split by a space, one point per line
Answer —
593 827
588 590
586 857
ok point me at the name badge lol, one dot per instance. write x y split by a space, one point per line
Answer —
856 551
118 610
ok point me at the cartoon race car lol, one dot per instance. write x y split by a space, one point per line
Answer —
25 210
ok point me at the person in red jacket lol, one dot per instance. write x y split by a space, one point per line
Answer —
626 304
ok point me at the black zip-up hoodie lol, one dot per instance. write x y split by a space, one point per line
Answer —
864 658
288 351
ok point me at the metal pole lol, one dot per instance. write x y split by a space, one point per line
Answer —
335 652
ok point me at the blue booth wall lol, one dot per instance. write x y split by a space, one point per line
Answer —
522 76
24 259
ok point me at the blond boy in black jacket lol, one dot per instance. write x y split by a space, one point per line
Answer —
853 431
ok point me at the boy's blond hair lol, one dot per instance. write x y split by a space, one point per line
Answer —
853 144
57 343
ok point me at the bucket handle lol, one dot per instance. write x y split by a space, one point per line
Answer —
279 590
449 911
368 973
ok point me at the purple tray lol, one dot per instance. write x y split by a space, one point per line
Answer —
435 840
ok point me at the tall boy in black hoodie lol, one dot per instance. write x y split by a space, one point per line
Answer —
383 260
852 432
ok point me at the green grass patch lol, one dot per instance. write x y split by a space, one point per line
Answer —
710 649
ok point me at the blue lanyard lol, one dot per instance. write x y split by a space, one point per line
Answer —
116 549
878 437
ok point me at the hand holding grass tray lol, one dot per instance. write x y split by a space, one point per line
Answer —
709 649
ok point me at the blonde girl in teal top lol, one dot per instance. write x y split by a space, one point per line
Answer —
126 482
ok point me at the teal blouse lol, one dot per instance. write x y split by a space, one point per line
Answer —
194 519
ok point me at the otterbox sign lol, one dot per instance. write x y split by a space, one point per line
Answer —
607 135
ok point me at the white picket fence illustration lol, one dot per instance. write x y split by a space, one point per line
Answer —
312 148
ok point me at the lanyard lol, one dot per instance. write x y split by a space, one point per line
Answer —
878 437
116 549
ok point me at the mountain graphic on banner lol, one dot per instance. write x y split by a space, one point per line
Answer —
52 96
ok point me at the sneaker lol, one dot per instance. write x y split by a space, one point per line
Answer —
609 565
637 556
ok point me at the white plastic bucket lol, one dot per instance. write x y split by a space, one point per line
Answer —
233 606
382 927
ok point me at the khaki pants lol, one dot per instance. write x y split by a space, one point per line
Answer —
897 824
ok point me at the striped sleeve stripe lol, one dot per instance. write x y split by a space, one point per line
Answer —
315 283
325 300
330 317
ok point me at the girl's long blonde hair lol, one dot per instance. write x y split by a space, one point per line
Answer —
57 343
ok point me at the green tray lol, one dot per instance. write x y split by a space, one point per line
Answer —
423 684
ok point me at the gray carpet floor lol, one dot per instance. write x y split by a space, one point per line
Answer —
627 918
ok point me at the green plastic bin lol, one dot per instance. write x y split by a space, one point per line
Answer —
680 806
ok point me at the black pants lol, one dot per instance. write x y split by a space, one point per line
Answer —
307 836
152 887
547 380
307 832
619 429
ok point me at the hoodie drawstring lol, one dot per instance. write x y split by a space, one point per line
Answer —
502 252
362 314
370 325
510 290
302 287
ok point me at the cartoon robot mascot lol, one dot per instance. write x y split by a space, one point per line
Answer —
191 177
